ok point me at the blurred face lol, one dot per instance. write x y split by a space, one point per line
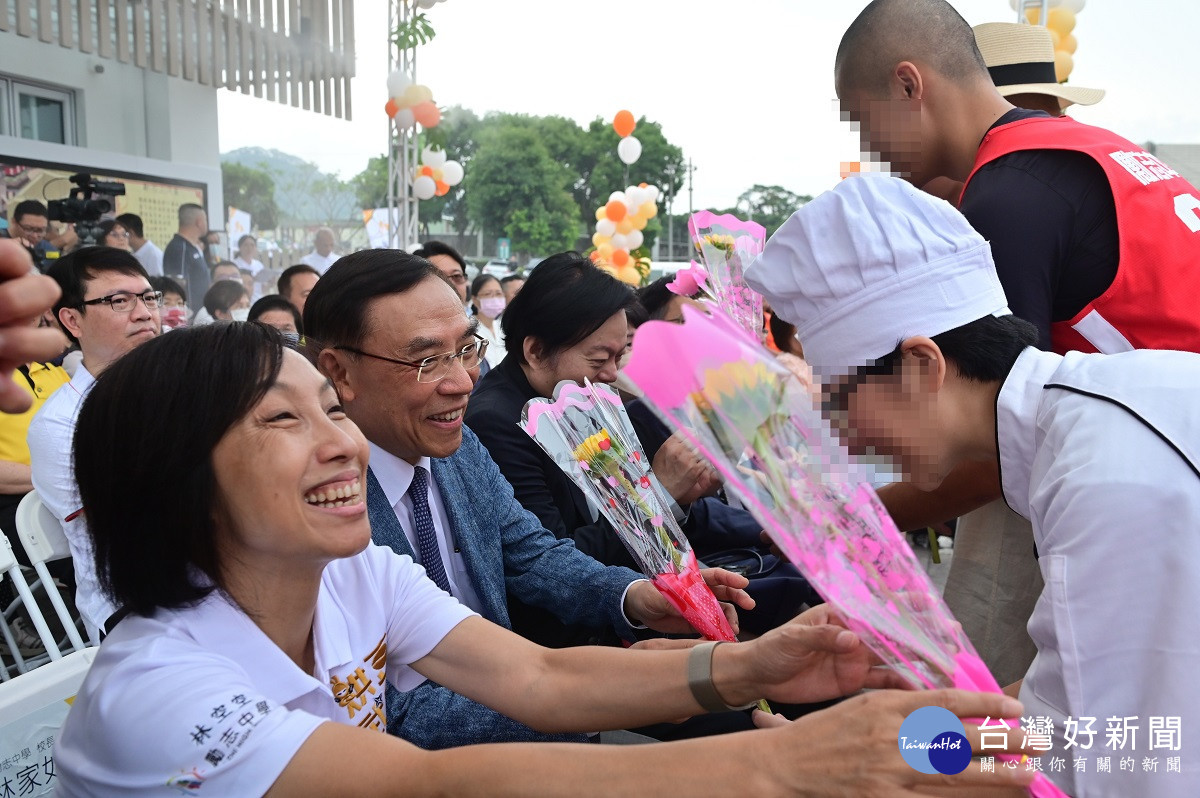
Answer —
227 272
173 300
104 335
512 288
243 303
118 237
290 476
323 243
31 227
898 417
302 286
674 310
489 302
408 418
201 225
594 358
454 273
889 121
248 282
279 319
248 250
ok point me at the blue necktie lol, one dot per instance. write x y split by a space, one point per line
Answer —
427 545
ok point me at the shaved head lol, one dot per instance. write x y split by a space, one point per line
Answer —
930 33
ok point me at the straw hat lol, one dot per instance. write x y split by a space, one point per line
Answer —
1021 60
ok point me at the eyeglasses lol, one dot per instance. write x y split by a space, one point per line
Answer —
123 301
458 278
435 367
37 231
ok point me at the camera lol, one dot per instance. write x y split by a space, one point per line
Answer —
81 209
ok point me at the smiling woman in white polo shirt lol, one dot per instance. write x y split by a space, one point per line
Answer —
262 625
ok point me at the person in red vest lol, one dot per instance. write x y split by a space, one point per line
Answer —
1094 238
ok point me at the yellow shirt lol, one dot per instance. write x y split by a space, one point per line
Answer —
45 379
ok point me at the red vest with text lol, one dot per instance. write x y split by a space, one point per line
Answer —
1154 302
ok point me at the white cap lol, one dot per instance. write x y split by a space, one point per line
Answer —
871 263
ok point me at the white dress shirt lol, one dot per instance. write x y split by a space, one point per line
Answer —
150 256
52 471
254 267
199 696
395 476
496 350
320 262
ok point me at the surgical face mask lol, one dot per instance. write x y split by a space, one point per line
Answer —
174 318
240 314
491 306
290 338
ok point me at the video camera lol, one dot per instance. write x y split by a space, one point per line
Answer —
80 209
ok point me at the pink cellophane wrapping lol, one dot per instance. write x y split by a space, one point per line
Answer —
757 425
617 479
727 246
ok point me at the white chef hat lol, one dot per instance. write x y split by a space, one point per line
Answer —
870 263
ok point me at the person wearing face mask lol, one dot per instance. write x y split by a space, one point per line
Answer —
487 299
227 300
275 311
175 312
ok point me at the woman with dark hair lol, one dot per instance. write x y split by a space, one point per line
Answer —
227 300
114 234
261 624
487 300
275 311
175 312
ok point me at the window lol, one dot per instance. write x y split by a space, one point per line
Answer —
37 112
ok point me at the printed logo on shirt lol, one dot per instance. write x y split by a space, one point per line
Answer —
187 783
360 692
933 740
219 737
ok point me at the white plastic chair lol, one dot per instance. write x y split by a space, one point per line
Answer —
9 567
34 706
44 540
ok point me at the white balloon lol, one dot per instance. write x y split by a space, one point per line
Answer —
452 173
405 119
619 196
1075 5
636 196
653 190
424 187
426 3
432 157
620 242
397 82
606 227
634 238
629 150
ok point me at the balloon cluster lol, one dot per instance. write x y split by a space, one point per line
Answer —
1060 21
435 175
629 149
410 103
619 226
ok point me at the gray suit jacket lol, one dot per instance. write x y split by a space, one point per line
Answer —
506 551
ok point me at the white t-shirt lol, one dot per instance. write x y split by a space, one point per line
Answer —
151 257
200 700
254 267
320 262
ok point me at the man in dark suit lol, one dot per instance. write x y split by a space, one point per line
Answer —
402 353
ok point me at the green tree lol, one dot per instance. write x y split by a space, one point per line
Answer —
514 188
251 190
371 184
770 206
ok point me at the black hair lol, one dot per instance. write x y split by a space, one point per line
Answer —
213 271
336 311
481 280
73 272
168 286
887 32
636 315
431 248
656 297
565 300
246 238
29 208
106 226
510 278
781 331
284 284
222 295
133 223
146 550
276 302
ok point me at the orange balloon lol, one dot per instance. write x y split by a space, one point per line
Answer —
624 123
391 107
625 226
442 188
427 170
620 258
1061 19
615 210
595 256
427 114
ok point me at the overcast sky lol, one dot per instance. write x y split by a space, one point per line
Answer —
746 88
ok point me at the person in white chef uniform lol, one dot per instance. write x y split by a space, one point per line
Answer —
896 301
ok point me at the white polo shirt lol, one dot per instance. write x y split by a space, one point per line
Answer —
320 262
52 471
151 258
199 700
